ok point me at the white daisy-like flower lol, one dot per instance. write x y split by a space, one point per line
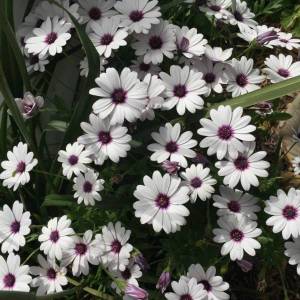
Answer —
49 38
237 234
235 202
14 225
172 145
106 36
123 97
155 100
190 42
225 131
96 10
84 67
281 68
292 250
242 78
80 253
186 290
87 187
244 168
56 237
217 54
114 247
160 203
158 42
241 15
216 8
74 159
105 140
183 89
287 41
199 182
296 165
50 277
138 16
214 286
285 213
16 169
143 69
13 275
212 74
34 63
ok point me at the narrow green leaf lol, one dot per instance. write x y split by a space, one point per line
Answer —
58 200
57 125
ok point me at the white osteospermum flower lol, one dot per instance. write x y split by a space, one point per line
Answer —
214 286
80 253
122 97
106 36
225 131
285 213
143 69
13 275
84 67
16 169
56 237
73 159
216 8
50 277
14 225
35 64
242 78
199 182
104 140
287 41
49 38
190 42
138 16
292 250
246 167
281 68
183 89
160 202
235 202
172 145
155 99
87 187
114 247
158 42
186 290
212 74
237 234
296 165
217 54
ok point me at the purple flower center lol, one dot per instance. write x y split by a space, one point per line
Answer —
73 160
106 39
116 246
284 73
126 274
15 227
234 206
225 132
241 163
236 235
9 280
238 16
51 273
51 38
290 212
95 13
186 297
209 77
206 285
118 96
155 42
144 67
21 167
241 80
80 248
87 187
171 147
162 201
196 182
136 15
184 44
33 59
104 137
54 236
215 7
179 90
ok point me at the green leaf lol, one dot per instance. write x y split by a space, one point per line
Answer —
268 93
57 125
279 116
58 200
